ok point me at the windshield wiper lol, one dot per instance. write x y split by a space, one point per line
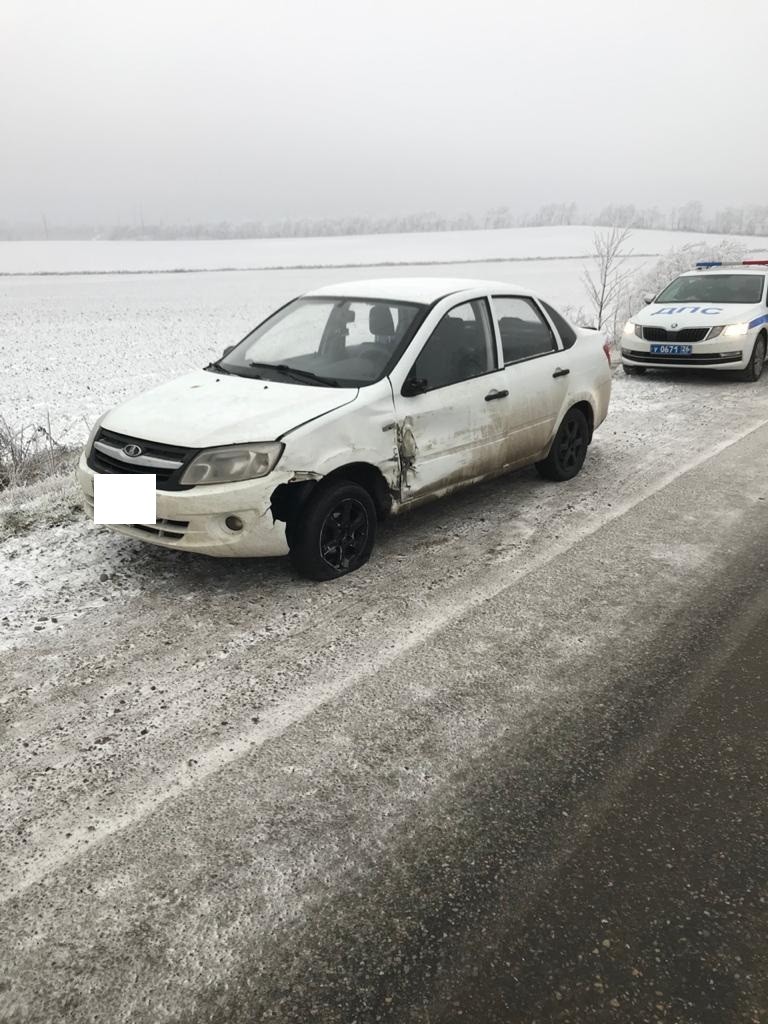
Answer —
220 369
294 371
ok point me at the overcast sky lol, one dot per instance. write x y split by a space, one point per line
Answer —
186 110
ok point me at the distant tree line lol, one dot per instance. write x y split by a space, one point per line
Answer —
691 216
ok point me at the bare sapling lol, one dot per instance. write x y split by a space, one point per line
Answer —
606 282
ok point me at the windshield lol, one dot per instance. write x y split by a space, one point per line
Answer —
327 342
741 288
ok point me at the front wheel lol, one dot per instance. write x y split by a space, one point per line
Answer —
754 368
569 448
336 531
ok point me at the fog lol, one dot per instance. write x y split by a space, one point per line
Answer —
170 110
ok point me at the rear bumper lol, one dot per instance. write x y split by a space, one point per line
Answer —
194 520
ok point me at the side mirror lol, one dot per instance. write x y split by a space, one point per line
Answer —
226 351
648 298
414 386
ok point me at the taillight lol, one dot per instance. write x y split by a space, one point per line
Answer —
607 350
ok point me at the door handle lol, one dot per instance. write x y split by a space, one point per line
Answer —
492 395
560 373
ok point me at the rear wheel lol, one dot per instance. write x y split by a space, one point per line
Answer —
335 532
569 448
633 371
754 367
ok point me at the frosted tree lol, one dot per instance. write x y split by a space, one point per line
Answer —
606 283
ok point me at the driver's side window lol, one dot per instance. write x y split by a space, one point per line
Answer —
459 348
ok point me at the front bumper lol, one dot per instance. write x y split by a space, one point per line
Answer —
718 354
194 520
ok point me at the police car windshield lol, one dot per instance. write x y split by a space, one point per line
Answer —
741 288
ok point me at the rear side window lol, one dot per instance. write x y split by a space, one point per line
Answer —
524 332
564 329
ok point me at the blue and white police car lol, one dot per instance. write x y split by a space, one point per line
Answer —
714 317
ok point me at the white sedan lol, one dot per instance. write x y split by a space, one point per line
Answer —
350 403
711 318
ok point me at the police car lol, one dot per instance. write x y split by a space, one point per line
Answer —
714 317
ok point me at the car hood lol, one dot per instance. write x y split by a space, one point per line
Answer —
659 314
204 409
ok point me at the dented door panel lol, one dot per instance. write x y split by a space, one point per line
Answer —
450 436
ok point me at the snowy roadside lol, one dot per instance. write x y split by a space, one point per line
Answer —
55 560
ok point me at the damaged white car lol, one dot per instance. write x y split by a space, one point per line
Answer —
350 403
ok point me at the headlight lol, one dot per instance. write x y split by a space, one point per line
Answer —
92 435
736 330
714 332
236 462
629 327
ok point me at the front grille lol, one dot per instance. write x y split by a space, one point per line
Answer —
171 528
686 336
695 359
166 461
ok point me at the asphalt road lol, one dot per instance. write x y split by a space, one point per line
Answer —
542 798
655 909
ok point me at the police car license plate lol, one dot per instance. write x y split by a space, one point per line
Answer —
671 350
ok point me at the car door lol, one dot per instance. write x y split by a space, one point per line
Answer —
536 370
450 421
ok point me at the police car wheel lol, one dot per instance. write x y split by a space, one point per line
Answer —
754 368
632 371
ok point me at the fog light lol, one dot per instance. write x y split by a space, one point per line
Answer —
233 523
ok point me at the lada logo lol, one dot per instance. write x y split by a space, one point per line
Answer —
132 451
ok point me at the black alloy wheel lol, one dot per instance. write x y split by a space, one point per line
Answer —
344 535
335 532
569 448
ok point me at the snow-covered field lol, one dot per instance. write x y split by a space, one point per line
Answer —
73 345
343 251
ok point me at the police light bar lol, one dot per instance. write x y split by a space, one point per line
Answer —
708 264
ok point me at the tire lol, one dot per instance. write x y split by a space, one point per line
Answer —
569 448
335 532
633 371
754 368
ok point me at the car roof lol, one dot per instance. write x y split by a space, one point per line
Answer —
414 289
